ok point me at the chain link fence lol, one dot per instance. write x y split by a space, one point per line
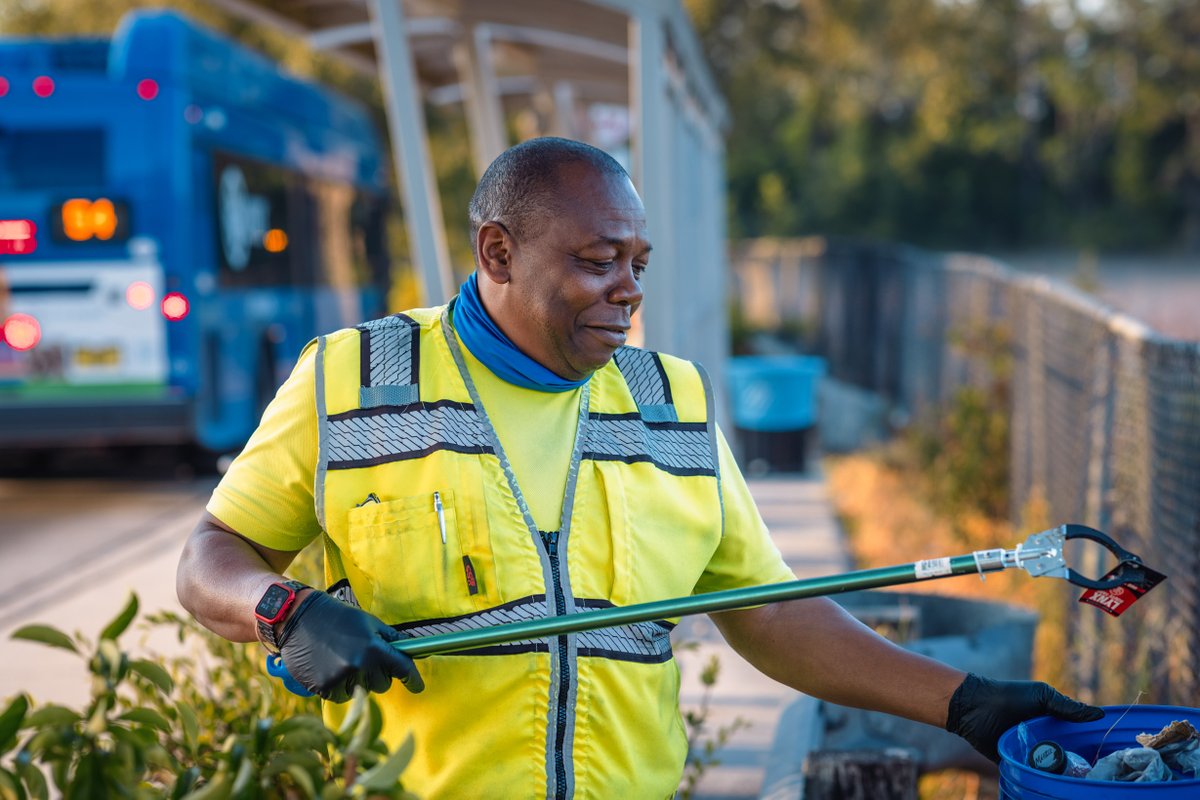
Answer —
1104 422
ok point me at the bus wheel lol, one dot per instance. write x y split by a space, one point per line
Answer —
203 462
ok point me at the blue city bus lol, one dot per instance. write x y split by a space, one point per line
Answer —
177 218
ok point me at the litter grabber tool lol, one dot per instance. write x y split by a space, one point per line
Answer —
1041 555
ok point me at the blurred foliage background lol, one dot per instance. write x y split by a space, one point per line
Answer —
967 124
962 123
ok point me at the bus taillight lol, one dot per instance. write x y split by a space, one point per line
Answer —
22 332
17 237
3 86
175 306
147 89
139 295
82 219
43 86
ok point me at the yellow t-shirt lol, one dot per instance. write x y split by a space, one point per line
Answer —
267 493
536 430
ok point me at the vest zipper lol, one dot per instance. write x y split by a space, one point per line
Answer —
550 540
560 695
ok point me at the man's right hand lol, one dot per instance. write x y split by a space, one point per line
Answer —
982 709
330 647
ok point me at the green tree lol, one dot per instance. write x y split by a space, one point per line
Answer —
961 124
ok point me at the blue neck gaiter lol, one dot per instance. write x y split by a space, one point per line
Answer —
496 351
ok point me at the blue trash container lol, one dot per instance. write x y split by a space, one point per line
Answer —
774 400
1018 781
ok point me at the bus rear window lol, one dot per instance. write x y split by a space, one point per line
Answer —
32 159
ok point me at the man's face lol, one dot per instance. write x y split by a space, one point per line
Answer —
575 279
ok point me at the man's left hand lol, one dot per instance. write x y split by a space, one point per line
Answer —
982 709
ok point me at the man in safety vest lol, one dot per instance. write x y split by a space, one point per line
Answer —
508 457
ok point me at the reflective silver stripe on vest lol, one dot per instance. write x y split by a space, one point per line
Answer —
647 380
679 448
390 361
322 434
711 415
642 642
366 437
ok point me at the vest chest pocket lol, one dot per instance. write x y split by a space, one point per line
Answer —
415 575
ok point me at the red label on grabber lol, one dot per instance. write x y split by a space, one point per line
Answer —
1117 600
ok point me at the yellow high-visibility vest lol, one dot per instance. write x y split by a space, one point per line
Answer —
589 715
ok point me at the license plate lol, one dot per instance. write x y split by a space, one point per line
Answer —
97 356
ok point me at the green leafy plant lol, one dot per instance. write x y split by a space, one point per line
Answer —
965 455
703 744
208 726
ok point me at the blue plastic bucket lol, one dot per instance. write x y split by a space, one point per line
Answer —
1019 781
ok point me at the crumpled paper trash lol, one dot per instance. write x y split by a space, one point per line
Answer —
1178 744
1132 765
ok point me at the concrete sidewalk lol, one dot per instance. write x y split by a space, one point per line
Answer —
802 523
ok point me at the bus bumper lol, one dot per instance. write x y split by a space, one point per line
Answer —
160 421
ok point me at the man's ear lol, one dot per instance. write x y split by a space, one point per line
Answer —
495 246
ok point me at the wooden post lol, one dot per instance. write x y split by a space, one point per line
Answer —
860 775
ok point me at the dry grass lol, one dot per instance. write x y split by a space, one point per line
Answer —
884 504
888 520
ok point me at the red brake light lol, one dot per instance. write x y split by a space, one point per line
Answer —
147 89
3 86
43 86
175 306
22 332
17 237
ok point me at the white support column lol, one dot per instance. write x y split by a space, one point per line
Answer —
481 97
564 109
716 246
652 112
410 151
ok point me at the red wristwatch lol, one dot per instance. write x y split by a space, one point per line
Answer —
273 607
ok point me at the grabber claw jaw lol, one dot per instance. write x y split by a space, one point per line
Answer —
1130 570
1041 555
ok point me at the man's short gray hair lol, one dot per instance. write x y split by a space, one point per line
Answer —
517 188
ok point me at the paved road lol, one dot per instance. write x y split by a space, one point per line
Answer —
71 550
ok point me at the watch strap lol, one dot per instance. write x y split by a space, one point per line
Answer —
266 631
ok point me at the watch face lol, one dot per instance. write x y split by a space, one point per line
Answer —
272 604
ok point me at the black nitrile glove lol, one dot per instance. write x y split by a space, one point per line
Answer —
982 709
330 647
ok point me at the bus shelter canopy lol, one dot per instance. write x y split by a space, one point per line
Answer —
532 42
626 75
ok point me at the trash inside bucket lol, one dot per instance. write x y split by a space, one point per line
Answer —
1018 781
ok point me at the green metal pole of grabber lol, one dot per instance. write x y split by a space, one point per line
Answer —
694 604
1041 555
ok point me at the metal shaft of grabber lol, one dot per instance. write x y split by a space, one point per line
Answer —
700 604
1041 555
